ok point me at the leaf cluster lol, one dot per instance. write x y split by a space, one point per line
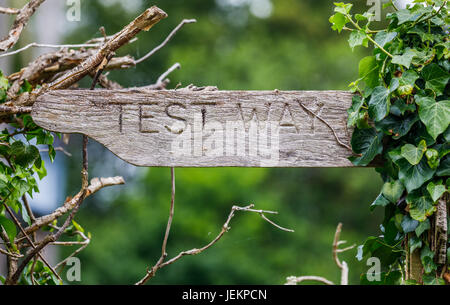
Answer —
401 113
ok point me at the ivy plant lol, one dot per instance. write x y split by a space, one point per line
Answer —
401 114
21 164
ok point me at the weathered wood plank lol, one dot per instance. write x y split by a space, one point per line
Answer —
206 128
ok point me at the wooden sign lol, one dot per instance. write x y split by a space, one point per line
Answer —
184 128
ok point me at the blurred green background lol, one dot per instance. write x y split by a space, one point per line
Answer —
236 44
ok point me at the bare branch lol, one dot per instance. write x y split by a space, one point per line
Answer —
23 16
142 23
8 110
274 224
83 244
163 256
440 230
225 228
59 148
95 185
172 210
28 208
9 11
341 265
15 277
48 67
107 83
293 280
165 74
54 237
171 35
162 81
10 254
50 46
337 234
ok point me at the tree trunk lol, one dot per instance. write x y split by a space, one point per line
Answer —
438 238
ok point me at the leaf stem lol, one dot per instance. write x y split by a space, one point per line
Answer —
368 36
394 6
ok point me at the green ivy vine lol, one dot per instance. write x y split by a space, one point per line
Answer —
401 114
21 165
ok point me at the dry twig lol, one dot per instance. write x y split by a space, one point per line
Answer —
9 11
293 280
162 81
51 46
152 52
22 18
95 185
225 228
142 23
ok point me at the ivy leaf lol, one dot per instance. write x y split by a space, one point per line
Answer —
412 153
368 71
338 21
426 256
409 224
77 226
436 78
393 190
353 111
420 133
444 168
386 278
424 36
429 279
442 149
383 37
376 247
379 201
396 126
25 215
9 227
420 207
414 243
367 143
20 188
408 78
406 15
422 227
435 190
24 154
3 87
404 59
343 8
379 103
358 38
432 158
435 115
447 135
414 176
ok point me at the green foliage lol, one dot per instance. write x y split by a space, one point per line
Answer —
20 160
4 85
405 98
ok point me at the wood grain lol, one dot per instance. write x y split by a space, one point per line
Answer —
184 128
